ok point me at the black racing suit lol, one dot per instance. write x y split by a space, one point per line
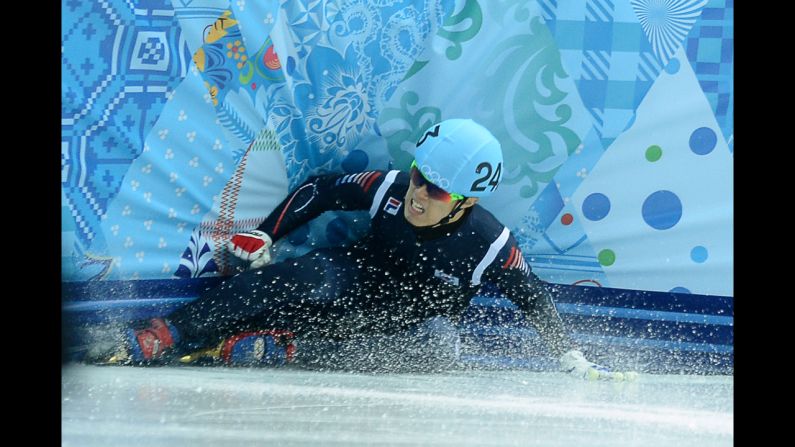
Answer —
394 278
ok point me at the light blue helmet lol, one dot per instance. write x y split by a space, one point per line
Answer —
460 156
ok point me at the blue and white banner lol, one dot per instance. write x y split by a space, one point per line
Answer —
186 121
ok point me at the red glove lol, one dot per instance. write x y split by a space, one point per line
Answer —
252 246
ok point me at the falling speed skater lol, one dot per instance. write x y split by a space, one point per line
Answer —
387 302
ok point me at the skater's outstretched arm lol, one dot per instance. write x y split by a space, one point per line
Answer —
320 194
514 277
315 196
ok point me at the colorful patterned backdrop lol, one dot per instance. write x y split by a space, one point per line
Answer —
186 121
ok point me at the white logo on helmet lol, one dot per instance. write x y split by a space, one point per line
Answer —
435 177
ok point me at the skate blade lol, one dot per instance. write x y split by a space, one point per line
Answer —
211 354
118 359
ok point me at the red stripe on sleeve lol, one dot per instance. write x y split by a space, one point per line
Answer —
281 216
510 258
370 182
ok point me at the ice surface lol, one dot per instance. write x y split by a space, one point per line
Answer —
204 406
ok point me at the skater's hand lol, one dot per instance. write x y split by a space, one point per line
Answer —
575 363
252 246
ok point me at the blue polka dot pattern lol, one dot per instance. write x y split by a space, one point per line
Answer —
356 161
703 141
673 66
595 206
699 254
662 210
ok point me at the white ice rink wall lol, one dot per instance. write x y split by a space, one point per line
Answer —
186 121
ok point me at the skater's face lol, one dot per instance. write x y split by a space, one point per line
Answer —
423 208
